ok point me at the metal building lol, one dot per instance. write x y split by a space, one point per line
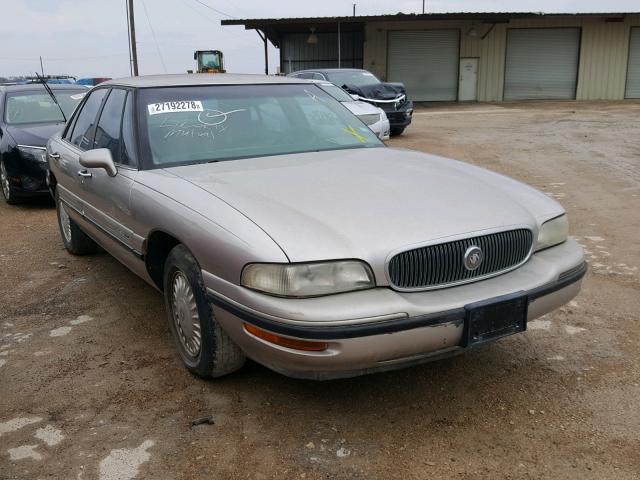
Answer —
472 56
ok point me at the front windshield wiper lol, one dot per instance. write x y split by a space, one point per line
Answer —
53 97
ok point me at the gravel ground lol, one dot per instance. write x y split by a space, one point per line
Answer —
90 385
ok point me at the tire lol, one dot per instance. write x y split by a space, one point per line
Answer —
397 131
74 239
6 187
185 296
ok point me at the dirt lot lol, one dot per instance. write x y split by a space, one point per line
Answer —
90 386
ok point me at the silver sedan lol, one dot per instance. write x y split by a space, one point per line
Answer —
280 228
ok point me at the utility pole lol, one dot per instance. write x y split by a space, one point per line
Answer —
41 67
132 36
354 9
423 7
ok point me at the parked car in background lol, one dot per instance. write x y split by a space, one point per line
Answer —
279 227
92 81
50 79
365 86
372 116
28 117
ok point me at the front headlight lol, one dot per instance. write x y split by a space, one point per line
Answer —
308 279
39 154
553 232
370 118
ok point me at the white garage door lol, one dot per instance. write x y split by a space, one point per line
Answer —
426 61
633 70
542 63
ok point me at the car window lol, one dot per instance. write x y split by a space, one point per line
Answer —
128 156
38 107
108 129
336 92
182 125
356 78
317 76
83 129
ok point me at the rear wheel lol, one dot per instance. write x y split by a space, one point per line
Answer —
397 131
7 188
204 347
74 239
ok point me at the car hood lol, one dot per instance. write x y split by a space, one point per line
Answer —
377 91
34 134
361 108
367 203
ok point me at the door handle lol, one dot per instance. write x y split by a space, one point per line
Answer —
55 156
84 174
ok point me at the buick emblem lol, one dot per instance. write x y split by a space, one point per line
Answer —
473 258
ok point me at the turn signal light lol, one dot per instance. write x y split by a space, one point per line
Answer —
285 341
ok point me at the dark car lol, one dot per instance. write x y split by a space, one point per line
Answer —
390 97
28 117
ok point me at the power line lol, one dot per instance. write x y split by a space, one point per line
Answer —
153 34
214 9
63 59
212 20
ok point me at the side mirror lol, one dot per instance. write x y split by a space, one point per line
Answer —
99 158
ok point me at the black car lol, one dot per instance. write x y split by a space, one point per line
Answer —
389 96
28 117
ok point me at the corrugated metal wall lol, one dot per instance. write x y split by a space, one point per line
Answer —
604 51
296 54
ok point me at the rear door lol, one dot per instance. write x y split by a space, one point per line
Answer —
65 151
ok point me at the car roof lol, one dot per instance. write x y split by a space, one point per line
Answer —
38 86
331 70
194 79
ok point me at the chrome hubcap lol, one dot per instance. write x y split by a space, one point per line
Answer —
185 314
4 179
65 224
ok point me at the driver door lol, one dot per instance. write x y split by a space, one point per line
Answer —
107 198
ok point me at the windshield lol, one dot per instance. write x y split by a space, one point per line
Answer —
210 60
336 92
38 107
357 78
182 125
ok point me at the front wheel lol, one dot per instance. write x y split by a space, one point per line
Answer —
7 188
397 131
204 347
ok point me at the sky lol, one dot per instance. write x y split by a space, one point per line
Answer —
89 38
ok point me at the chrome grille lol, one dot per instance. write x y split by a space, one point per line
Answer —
443 264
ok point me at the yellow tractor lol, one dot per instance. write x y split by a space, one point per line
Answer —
209 61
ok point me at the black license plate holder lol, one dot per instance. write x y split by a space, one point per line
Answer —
497 317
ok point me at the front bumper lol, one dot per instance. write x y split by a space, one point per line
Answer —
27 177
382 129
429 325
401 117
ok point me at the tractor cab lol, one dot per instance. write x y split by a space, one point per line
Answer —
209 61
